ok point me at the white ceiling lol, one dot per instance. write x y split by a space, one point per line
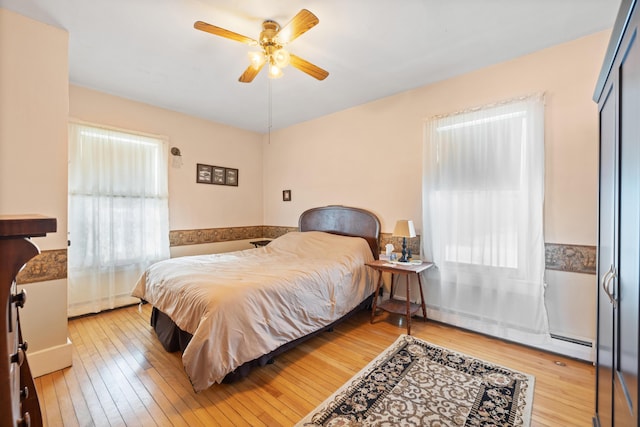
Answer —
148 50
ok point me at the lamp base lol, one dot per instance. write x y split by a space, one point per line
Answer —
403 258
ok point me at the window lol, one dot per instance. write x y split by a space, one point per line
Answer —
483 194
118 212
481 182
479 158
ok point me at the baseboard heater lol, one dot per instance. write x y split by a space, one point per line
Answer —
571 340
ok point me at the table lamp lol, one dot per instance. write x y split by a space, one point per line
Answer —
404 228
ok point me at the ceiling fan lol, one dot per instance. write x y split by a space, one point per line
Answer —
272 40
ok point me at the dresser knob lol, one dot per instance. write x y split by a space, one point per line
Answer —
19 299
25 421
24 393
24 346
18 357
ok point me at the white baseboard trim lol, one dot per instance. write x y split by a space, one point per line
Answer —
50 359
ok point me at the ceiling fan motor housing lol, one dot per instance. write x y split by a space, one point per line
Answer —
268 38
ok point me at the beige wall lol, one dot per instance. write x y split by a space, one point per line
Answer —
370 156
33 166
191 205
33 121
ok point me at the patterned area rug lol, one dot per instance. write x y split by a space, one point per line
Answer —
414 383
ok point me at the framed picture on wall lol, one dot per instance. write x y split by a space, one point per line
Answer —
286 195
219 175
231 177
204 174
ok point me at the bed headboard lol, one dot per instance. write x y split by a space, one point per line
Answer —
344 220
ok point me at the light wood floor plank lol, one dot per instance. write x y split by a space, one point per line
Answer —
65 402
250 413
78 399
170 411
121 388
128 367
49 400
121 375
79 375
91 361
40 392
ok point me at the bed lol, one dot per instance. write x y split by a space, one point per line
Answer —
231 312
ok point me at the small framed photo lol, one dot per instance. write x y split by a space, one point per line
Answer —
231 177
204 174
286 195
218 175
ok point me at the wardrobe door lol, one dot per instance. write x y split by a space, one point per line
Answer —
628 282
606 255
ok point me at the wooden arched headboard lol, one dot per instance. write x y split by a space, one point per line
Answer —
344 220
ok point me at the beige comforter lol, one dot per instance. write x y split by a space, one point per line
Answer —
241 305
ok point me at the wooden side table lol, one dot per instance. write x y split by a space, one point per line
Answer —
393 305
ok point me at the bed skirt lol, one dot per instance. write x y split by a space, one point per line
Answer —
175 339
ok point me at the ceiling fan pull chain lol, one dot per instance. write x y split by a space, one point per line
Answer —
270 113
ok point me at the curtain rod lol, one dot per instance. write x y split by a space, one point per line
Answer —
490 105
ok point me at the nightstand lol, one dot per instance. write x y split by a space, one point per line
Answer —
258 243
397 306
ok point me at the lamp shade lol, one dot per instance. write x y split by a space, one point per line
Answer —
257 59
404 228
281 58
275 72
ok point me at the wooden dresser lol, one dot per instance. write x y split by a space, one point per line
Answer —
19 404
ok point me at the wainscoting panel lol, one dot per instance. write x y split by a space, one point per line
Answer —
225 234
572 258
48 265
213 235
52 264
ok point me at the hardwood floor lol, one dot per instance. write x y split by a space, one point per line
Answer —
121 375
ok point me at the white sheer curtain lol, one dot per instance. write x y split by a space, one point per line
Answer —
118 214
483 194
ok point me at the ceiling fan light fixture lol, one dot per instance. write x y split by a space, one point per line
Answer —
257 59
281 58
275 72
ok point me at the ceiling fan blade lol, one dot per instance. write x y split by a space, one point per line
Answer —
203 26
299 24
308 67
250 73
